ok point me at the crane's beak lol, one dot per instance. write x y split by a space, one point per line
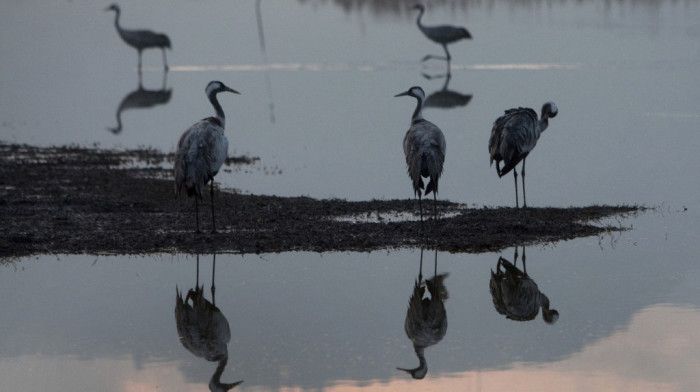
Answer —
229 89
403 93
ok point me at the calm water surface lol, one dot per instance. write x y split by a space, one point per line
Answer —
317 107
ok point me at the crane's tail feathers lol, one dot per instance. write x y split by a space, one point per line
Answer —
432 186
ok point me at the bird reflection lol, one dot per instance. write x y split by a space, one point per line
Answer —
142 98
426 318
203 329
446 98
515 295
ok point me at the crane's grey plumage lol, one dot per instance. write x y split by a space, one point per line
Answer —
426 318
201 151
203 330
141 39
442 34
424 147
516 296
514 135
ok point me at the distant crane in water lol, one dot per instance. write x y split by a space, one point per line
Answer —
201 151
515 295
442 34
141 39
426 318
514 135
424 147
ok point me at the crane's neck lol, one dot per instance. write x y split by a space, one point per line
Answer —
116 20
219 111
418 113
543 124
418 20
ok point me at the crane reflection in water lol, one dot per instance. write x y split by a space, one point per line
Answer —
142 98
515 295
445 98
426 318
203 329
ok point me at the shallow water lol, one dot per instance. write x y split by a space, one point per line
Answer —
317 108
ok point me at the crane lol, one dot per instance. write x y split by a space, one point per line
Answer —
424 148
426 318
442 34
516 296
141 39
203 330
514 135
201 151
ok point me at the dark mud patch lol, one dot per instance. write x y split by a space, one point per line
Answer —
80 200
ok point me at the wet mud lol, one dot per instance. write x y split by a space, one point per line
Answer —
78 200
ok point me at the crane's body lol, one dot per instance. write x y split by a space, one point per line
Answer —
513 136
426 317
141 39
201 151
516 296
424 148
442 34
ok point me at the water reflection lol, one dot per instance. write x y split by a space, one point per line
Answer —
446 98
261 38
515 295
203 329
142 98
426 318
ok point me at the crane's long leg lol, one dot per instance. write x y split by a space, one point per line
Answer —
523 179
447 53
139 61
213 221
434 205
213 287
515 175
420 269
420 207
196 212
165 61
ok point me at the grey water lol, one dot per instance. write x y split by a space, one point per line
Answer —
317 80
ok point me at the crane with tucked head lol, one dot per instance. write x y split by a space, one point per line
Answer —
141 39
201 151
424 148
515 295
514 135
442 34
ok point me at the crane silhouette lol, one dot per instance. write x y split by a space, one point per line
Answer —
515 295
514 135
424 148
141 98
201 151
426 318
141 39
442 34
203 330
446 98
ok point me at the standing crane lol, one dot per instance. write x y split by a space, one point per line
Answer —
201 151
141 39
203 330
424 147
515 295
514 135
442 34
426 318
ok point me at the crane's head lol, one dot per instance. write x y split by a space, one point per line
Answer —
418 6
549 110
113 7
215 87
415 92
